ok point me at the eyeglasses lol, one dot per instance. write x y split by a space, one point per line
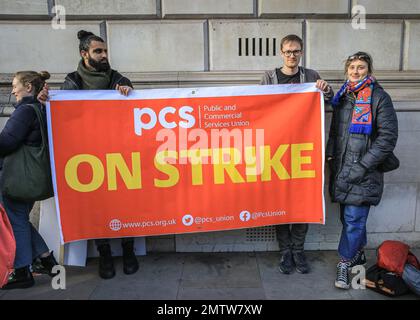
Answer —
358 57
294 52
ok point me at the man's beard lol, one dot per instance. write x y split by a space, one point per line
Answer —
100 66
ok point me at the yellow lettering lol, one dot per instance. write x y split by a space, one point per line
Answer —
221 163
114 162
251 164
72 179
298 160
170 170
196 161
274 162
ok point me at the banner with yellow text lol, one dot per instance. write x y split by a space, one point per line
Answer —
170 161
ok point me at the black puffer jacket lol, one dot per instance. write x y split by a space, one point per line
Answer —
73 81
358 155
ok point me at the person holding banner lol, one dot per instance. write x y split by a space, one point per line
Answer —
291 237
24 128
363 135
94 73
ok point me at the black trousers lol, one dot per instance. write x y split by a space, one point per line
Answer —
292 236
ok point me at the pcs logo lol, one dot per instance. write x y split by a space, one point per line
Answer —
146 118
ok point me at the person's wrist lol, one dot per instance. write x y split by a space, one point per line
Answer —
328 89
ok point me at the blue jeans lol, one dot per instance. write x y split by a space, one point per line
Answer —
29 243
411 277
353 235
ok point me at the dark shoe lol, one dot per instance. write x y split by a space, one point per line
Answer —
359 259
286 265
106 264
20 279
130 263
343 281
37 267
48 263
299 259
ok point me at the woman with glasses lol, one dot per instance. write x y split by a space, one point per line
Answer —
363 133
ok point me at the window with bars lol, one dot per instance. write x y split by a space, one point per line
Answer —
257 47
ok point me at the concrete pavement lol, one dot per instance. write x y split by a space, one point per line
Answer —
203 276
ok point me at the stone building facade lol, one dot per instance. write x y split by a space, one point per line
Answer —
189 43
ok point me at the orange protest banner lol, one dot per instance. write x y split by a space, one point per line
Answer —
172 161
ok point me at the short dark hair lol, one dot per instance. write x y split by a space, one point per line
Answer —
289 38
360 55
86 38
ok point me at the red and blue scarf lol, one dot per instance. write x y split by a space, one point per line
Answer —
361 121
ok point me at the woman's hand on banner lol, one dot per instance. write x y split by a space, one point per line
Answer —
43 94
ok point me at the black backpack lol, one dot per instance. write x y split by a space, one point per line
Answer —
385 282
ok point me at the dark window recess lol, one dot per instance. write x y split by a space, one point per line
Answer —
274 47
267 47
257 47
247 47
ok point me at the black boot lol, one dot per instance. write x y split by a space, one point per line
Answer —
106 264
301 263
130 263
37 267
21 278
48 263
286 264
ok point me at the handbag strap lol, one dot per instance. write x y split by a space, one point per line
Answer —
41 125
378 276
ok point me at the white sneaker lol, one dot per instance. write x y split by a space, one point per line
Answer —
342 281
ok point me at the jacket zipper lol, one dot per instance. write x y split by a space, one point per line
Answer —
347 140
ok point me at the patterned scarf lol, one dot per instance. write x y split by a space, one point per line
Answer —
361 122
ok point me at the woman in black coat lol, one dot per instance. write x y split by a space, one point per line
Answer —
23 127
363 134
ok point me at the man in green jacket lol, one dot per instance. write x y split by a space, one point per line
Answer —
94 73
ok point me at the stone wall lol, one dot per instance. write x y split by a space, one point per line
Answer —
184 43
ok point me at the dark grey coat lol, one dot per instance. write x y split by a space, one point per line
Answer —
306 75
355 179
